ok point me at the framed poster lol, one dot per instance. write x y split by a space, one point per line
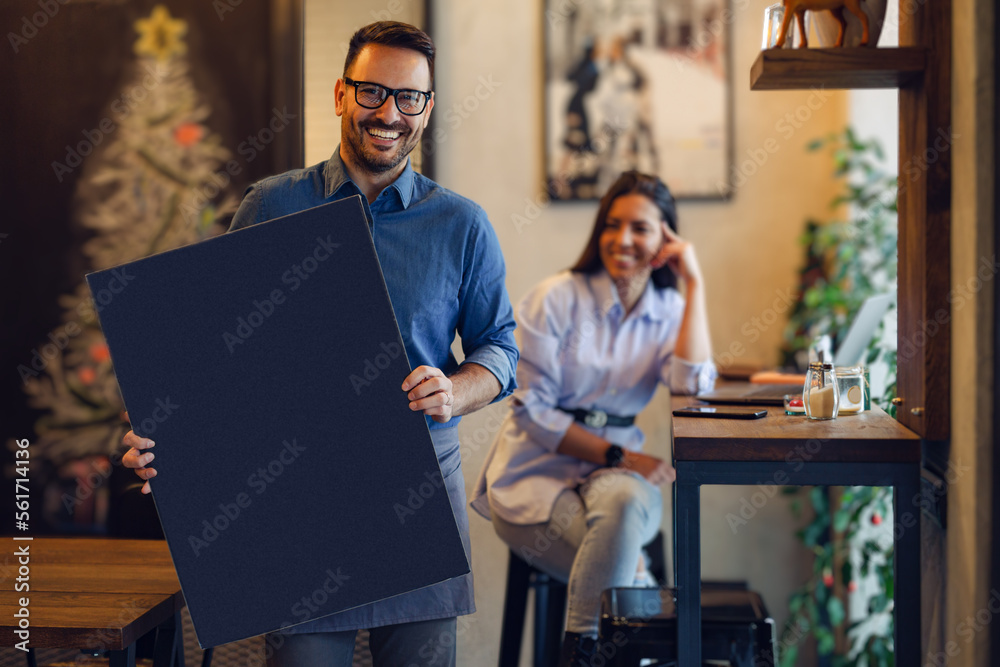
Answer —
642 84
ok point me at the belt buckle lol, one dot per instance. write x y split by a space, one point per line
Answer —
596 419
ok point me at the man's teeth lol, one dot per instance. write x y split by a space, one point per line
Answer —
382 134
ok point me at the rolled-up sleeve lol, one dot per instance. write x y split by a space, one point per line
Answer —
680 375
540 374
486 319
683 377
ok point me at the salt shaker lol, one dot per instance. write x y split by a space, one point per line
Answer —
820 395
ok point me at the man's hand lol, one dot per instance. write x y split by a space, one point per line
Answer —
442 397
430 391
136 457
656 471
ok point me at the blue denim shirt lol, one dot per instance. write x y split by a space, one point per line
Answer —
445 274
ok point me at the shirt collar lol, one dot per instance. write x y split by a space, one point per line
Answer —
335 175
608 301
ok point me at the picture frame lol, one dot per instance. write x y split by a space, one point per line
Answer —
639 85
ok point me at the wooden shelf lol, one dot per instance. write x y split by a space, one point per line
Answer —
859 67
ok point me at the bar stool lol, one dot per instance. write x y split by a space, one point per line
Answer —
550 607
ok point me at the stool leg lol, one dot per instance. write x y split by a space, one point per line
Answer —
555 616
550 605
514 605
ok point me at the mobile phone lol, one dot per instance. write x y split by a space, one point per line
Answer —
720 413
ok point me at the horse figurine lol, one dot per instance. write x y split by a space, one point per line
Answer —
835 7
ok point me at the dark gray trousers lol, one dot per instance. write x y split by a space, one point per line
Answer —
421 644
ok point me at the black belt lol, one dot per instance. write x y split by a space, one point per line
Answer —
598 418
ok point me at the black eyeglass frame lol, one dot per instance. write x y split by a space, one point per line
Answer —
390 92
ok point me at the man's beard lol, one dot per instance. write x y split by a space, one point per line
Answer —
375 161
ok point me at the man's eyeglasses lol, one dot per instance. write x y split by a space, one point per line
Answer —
372 96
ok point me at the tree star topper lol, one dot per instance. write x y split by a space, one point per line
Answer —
159 35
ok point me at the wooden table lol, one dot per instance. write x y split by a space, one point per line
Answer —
870 449
100 594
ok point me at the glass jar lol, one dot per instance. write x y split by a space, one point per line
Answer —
853 389
773 16
820 395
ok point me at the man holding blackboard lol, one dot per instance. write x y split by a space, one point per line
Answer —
445 274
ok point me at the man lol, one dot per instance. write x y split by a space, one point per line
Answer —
444 272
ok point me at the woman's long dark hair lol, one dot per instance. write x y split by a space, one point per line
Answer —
631 182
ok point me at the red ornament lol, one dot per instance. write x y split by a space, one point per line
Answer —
99 352
876 519
188 134
827 578
87 375
852 587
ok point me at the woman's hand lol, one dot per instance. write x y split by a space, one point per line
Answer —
656 471
137 458
679 255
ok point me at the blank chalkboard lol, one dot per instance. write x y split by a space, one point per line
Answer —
281 472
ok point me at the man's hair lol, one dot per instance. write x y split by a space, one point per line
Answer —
395 34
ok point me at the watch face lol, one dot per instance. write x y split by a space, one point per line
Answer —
613 456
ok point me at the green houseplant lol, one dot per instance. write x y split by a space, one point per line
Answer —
847 260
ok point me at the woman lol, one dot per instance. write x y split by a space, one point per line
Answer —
597 338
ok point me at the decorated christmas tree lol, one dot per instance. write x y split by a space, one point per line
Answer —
149 182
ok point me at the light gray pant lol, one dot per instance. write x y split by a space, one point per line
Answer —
420 644
592 541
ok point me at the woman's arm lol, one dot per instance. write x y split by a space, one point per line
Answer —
694 344
587 446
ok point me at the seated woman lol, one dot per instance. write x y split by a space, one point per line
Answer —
567 465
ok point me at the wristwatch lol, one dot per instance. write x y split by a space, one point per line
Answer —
613 456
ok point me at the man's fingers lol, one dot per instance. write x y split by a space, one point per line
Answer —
436 403
146 488
136 459
420 374
132 440
430 387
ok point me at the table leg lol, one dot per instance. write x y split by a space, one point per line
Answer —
168 650
906 603
124 658
687 568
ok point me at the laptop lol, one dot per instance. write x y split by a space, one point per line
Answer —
850 353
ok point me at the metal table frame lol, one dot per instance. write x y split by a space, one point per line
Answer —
903 477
